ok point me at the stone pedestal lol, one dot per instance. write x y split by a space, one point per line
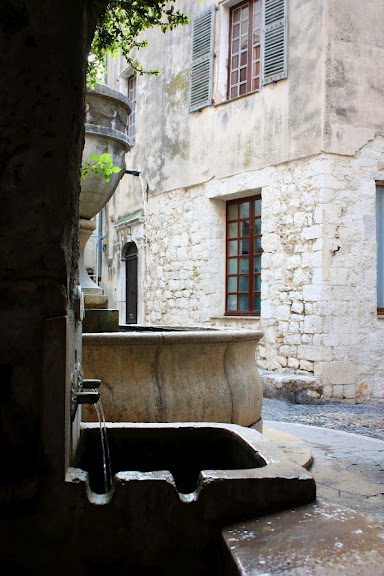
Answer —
86 227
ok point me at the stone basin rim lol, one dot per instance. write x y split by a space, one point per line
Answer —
174 337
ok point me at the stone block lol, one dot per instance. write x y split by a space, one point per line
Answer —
349 391
101 320
312 324
310 353
306 366
340 373
338 392
363 389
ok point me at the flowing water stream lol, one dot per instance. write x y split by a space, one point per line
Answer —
107 471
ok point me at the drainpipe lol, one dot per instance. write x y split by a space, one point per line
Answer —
99 245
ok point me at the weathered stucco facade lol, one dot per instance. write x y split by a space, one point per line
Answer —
313 146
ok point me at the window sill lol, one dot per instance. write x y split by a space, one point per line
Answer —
255 317
229 100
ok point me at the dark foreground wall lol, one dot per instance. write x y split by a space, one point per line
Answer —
41 137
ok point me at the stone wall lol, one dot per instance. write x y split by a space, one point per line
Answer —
312 144
318 269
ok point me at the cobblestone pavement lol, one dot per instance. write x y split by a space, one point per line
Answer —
366 419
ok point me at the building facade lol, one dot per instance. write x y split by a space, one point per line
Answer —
260 201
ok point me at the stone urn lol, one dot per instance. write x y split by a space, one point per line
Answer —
106 127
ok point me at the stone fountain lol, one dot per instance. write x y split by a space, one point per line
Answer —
106 126
178 403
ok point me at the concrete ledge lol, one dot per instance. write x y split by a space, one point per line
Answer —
292 446
316 539
297 388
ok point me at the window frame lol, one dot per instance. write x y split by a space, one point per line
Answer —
380 247
250 49
252 237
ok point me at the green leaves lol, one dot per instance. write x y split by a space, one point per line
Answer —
101 165
119 27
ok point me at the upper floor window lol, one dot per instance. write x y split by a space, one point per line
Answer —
131 93
255 49
380 247
243 275
244 48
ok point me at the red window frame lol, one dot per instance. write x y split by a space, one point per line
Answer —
243 257
244 68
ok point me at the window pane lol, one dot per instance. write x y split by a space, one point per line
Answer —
257 303
243 302
256 37
244 265
232 248
243 74
232 212
235 46
244 11
255 83
244 246
232 284
232 302
243 284
258 207
258 248
256 20
243 58
257 283
256 53
234 92
257 264
232 266
236 15
235 61
236 30
244 42
244 27
258 226
244 228
244 210
256 69
232 230
243 89
234 77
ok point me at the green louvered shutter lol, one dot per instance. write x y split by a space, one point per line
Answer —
275 40
200 93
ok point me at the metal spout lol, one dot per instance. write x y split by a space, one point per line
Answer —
88 383
87 397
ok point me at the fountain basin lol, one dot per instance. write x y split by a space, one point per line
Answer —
175 486
162 374
226 470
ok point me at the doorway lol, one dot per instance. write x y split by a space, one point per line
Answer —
131 263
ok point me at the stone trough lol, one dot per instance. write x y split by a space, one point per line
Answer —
164 374
175 485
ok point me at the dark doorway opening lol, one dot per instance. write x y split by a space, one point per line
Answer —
131 261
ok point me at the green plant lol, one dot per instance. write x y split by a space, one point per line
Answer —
101 165
118 24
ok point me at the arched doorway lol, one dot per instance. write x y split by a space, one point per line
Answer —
131 260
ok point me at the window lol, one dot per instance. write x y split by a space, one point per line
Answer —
244 48
254 54
243 275
131 93
380 247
